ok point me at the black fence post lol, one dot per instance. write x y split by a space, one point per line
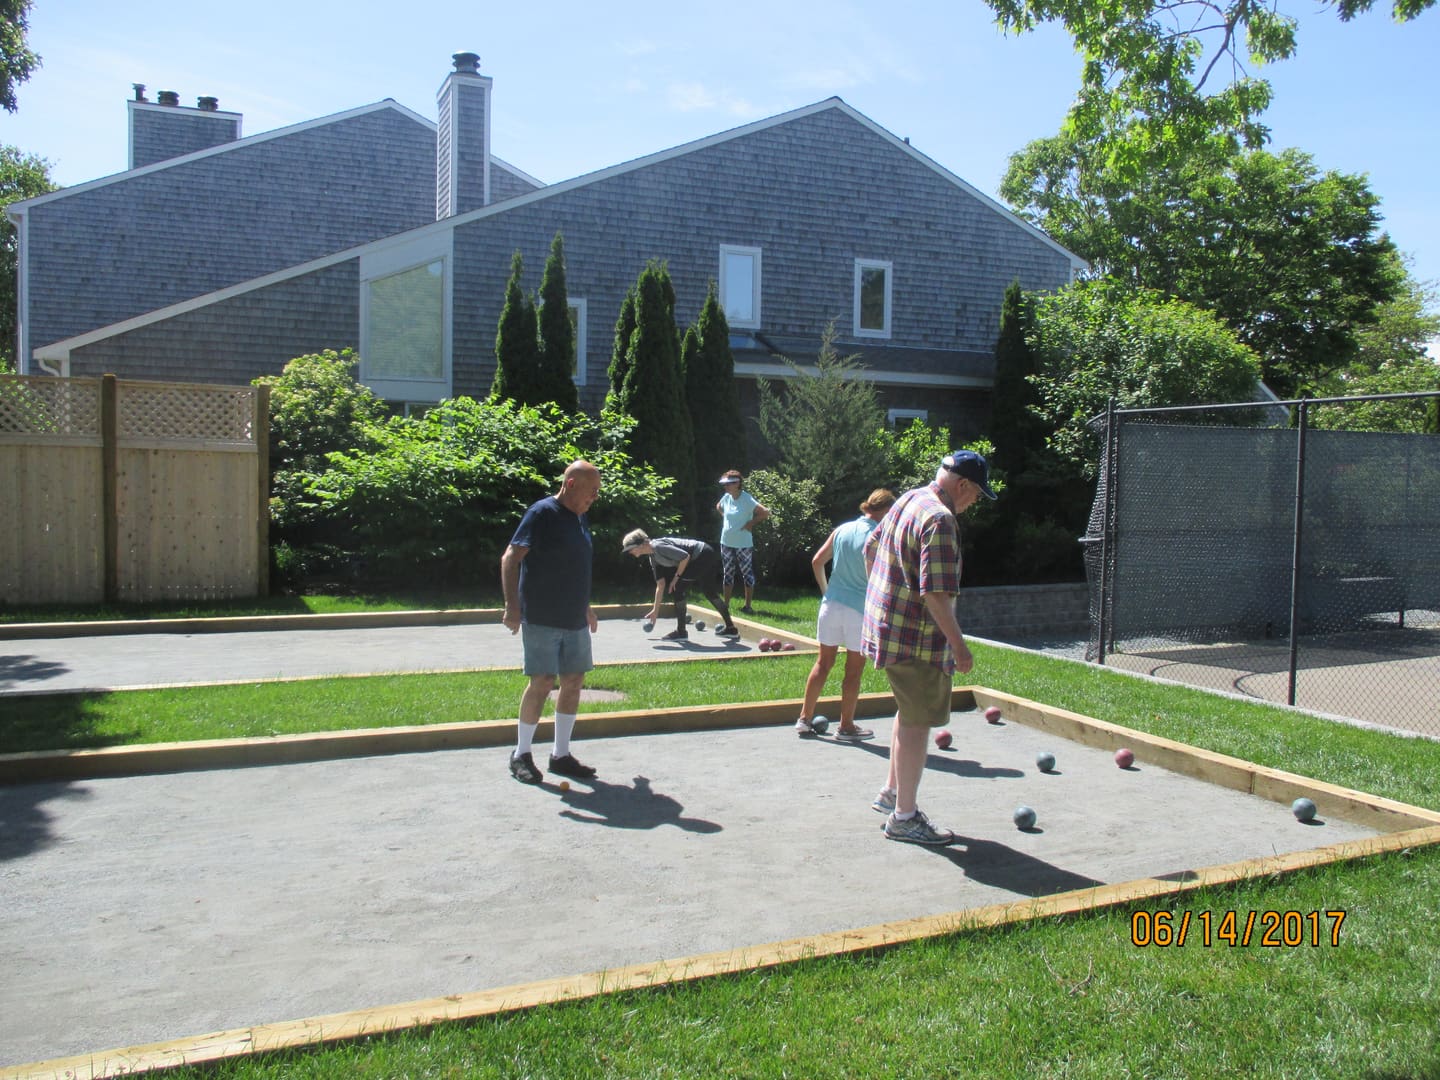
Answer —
1303 414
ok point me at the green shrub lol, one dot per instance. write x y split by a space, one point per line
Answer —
439 496
786 541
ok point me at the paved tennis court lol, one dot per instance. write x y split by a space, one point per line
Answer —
148 908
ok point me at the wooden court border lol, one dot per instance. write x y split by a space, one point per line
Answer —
1405 828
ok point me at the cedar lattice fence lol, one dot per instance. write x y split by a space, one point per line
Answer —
115 490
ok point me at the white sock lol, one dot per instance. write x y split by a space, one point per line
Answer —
905 817
564 728
524 737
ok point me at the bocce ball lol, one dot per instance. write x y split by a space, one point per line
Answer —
943 739
820 724
1045 761
992 715
787 646
1303 809
1124 757
647 626
699 626
1024 817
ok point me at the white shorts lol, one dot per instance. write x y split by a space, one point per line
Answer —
838 625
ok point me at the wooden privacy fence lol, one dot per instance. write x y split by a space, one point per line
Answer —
118 490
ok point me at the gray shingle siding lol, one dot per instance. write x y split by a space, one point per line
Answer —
233 341
198 226
814 194
159 133
506 185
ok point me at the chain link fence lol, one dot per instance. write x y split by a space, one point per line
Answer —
1241 548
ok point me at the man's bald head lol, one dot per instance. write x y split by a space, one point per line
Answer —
579 486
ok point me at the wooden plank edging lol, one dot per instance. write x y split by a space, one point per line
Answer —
317 1031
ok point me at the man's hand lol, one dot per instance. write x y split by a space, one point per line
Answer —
591 618
964 662
511 618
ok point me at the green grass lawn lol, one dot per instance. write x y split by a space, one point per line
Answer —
1065 997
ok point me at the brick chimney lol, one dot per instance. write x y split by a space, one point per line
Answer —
462 139
165 129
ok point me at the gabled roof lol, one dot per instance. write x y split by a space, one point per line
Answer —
748 129
60 349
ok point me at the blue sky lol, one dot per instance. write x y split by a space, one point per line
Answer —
582 86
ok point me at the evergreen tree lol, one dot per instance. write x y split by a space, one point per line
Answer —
1015 431
711 394
517 349
823 427
557 334
653 389
619 362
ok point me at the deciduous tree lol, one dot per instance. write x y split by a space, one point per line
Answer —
1290 258
1099 340
17 61
22 176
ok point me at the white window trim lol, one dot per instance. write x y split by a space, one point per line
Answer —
396 259
581 315
893 416
754 253
867 264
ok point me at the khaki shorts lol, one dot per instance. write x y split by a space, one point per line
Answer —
922 693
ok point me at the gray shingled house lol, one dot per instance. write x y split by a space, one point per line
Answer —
216 257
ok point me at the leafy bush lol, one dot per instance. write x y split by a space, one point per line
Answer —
438 497
1100 340
796 527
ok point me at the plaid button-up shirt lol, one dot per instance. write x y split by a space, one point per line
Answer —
916 550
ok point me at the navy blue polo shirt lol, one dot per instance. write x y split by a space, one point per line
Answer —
555 574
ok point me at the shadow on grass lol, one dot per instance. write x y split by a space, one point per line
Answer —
56 722
634 807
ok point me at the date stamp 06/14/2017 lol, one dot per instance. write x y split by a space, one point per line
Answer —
1269 929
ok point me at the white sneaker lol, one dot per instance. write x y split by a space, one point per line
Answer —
884 802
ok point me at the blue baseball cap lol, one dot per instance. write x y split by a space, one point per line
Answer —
972 467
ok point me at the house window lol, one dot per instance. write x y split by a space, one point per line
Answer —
404 323
740 286
577 324
872 298
899 419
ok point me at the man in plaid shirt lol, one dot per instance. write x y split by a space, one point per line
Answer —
910 630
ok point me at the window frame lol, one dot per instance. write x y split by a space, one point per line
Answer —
391 261
580 307
892 416
861 265
757 263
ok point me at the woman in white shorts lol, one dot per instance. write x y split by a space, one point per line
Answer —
841 612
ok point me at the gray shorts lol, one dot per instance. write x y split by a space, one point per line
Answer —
552 651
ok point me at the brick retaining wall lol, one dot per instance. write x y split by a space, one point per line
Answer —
1009 611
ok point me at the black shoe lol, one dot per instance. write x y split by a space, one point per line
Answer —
522 767
568 766
677 635
728 631
747 610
